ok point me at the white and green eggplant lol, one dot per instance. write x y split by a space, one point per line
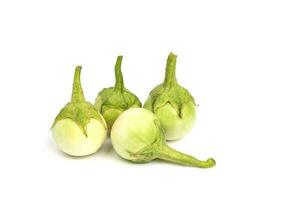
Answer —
138 136
173 105
111 102
79 129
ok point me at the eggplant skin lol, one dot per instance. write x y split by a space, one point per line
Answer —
69 137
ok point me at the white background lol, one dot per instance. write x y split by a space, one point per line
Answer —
239 59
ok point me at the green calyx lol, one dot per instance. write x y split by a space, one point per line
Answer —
79 110
160 150
149 152
117 99
169 91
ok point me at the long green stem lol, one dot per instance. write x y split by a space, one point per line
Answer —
170 74
167 153
77 93
118 74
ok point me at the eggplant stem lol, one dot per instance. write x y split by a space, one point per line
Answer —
77 93
119 85
167 153
170 74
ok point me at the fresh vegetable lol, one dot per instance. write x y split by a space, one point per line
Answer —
111 102
173 105
138 136
79 129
